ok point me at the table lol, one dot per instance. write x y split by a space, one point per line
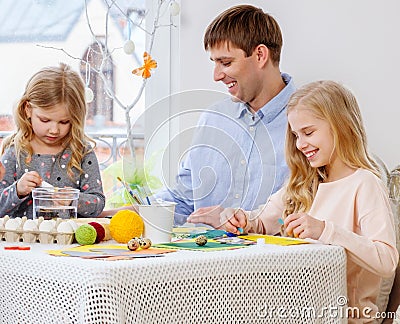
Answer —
252 285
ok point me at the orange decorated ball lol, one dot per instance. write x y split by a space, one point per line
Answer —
125 225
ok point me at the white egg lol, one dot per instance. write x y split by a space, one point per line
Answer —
47 226
12 224
65 227
73 224
30 225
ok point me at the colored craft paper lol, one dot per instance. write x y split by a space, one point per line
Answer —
191 245
108 252
277 240
188 230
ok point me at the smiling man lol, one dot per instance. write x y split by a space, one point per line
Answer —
237 158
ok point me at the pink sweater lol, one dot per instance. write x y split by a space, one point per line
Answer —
357 216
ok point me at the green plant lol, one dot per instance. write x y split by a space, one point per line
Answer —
133 175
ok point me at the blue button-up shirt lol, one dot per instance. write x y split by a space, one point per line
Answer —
236 158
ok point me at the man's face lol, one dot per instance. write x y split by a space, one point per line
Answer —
238 72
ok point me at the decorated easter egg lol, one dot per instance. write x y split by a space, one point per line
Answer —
133 244
201 240
145 243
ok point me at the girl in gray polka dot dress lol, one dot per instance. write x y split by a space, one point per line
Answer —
50 145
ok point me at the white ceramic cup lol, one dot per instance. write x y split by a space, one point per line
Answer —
158 221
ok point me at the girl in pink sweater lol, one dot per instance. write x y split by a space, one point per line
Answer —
334 193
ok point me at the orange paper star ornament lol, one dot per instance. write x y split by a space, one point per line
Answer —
144 70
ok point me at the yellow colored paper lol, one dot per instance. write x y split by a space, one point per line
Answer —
277 240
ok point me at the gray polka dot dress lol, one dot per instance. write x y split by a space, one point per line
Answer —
53 169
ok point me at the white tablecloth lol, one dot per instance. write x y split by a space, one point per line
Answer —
271 284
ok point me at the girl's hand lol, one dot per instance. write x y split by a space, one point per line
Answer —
27 182
207 215
232 219
63 197
302 225
2 171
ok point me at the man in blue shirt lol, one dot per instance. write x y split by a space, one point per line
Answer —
237 155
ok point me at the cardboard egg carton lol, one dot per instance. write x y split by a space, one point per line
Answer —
19 234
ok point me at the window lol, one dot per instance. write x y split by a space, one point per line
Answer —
39 33
102 104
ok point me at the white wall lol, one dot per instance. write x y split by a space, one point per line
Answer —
355 42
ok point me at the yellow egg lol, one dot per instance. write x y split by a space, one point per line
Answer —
125 225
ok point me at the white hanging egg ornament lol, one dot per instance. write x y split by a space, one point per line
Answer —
174 8
89 95
129 47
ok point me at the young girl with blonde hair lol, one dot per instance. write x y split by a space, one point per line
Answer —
50 145
334 193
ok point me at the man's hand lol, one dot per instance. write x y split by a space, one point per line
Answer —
207 215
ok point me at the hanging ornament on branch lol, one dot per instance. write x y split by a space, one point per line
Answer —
89 95
144 70
129 47
174 8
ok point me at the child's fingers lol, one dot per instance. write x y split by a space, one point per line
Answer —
233 220
291 222
32 176
229 227
226 218
240 218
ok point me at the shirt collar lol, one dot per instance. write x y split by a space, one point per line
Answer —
274 106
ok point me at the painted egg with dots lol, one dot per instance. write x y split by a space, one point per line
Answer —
133 244
201 240
145 243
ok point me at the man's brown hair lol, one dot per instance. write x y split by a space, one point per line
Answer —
245 27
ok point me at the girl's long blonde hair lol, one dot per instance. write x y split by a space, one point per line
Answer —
334 103
49 87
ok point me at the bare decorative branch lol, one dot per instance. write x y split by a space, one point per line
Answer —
105 54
